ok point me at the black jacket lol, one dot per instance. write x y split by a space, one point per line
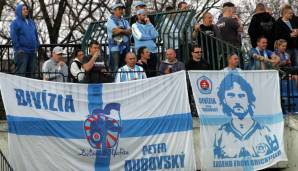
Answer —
282 31
262 24
208 43
201 65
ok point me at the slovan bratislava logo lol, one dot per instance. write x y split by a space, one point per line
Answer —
204 85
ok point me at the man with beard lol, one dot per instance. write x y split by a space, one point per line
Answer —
144 34
242 136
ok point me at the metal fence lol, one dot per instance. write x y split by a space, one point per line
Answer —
4 165
289 90
173 28
43 54
216 51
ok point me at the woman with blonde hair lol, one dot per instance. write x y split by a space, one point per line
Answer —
280 47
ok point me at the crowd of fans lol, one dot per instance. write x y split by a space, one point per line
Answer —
274 45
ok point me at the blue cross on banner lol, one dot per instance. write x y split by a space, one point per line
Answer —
57 126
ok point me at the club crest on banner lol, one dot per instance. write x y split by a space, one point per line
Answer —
204 85
102 128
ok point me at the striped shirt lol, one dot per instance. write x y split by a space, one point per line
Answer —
126 73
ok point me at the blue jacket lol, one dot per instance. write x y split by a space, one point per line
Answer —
112 23
23 32
255 64
144 35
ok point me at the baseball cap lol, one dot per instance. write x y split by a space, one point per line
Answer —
58 50
140 12
139 3
117 5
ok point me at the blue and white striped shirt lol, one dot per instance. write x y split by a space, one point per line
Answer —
126 73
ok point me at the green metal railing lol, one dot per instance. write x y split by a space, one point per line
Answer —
215 51
172 27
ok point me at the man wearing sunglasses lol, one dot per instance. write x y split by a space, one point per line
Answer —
197 62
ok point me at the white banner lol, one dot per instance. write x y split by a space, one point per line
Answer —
136 125
241 122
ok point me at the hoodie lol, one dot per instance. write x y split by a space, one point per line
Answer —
23 32
145 35
262 24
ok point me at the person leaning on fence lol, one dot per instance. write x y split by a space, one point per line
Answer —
261 57
130 71
55 69
171 64
208 43
95 68
197 62
119 33
144 56
233 63
207 27
24 36
145 34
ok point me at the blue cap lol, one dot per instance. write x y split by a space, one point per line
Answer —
141 11
140 3
117 5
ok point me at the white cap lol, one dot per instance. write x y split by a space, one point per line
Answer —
58 50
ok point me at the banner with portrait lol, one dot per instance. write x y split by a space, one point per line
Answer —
241 121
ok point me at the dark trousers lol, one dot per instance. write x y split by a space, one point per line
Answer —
25 63
152 65
293 52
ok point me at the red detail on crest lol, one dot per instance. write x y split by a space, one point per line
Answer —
204 84
108 144
112 137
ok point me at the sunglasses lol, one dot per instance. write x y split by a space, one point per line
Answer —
198 52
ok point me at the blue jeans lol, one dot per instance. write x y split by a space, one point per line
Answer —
25 63
117 60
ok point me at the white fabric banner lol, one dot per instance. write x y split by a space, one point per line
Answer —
241 122
136 125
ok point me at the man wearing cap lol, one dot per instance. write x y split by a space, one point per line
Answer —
138 6
119 33
55 68
144 34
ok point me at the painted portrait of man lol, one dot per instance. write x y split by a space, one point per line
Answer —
243 136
